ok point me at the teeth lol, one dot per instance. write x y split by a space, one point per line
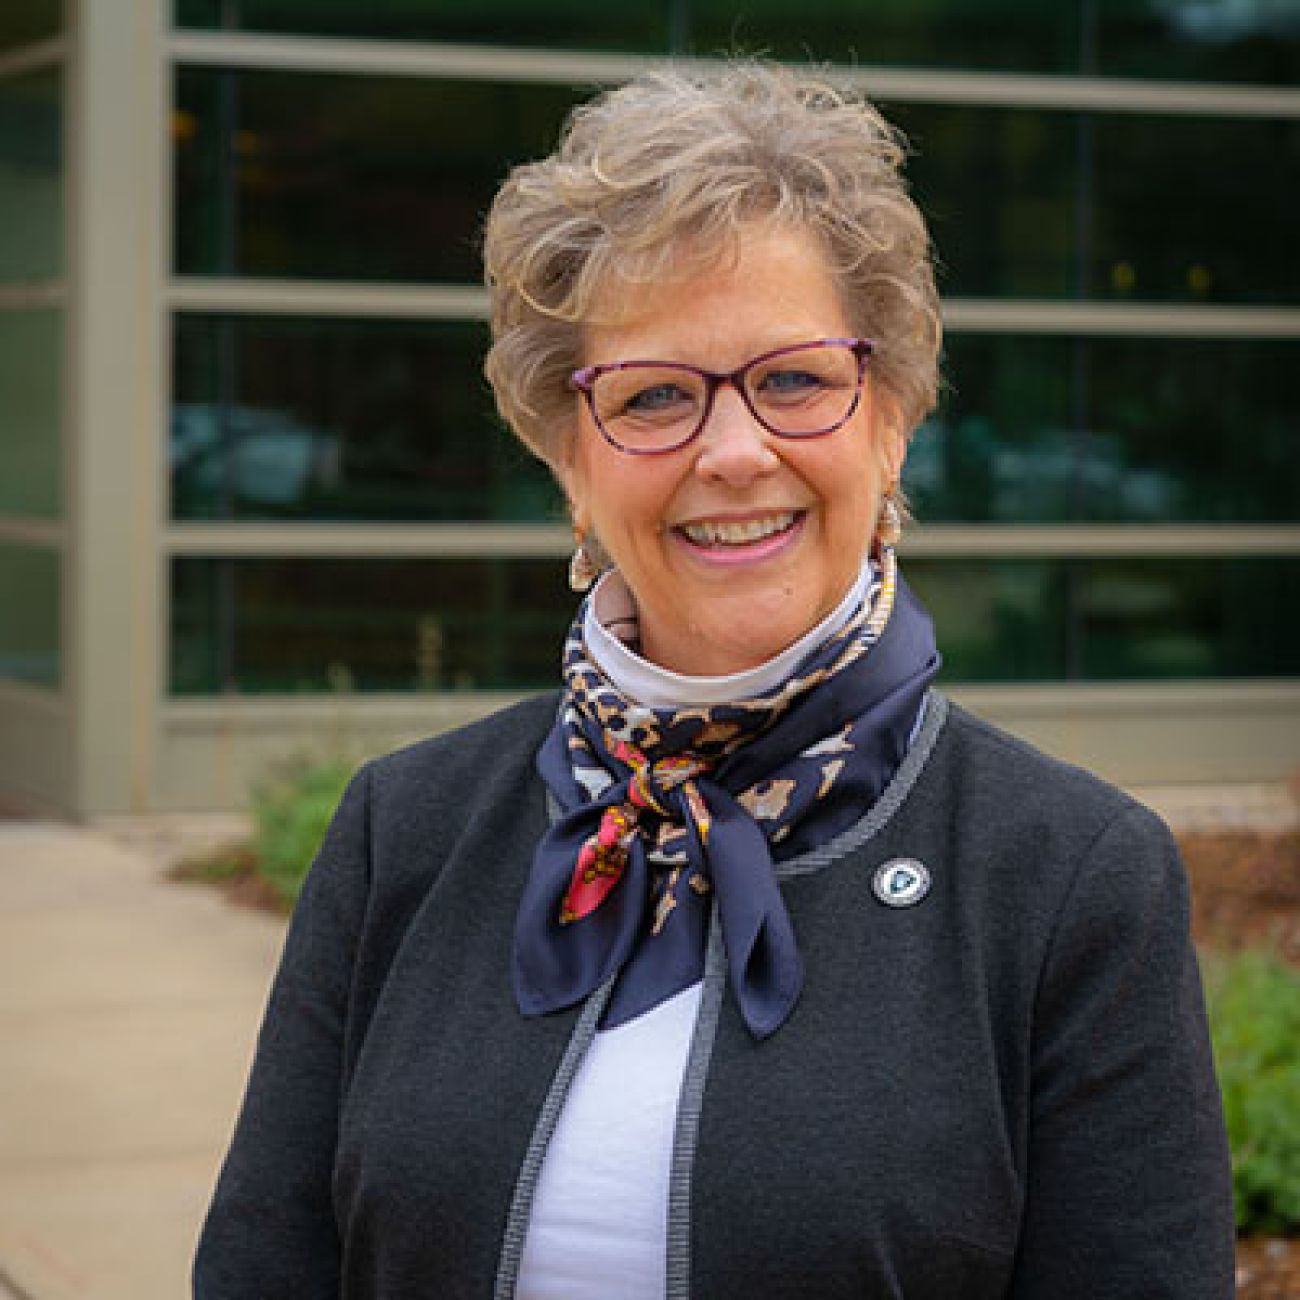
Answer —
708 533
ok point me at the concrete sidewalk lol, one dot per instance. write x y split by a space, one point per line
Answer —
128 1010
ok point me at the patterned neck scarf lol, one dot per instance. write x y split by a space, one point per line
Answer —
664 814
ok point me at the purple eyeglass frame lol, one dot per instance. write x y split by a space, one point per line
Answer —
584 381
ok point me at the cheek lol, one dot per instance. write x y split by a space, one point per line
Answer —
617 501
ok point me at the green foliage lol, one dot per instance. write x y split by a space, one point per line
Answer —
292 807
1254 1007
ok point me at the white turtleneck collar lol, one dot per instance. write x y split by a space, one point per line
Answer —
612 610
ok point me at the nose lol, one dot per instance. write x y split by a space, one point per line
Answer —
733 447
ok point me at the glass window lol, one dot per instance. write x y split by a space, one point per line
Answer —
31 177
994 34
995 620
1058 430
343 419
1192 40
346 177
997 187
314 626
1028 203
25 21
29 614
1146 618
1245 40
558 24
1207 430
367 625
338 177
1188 209
1106 620
31 451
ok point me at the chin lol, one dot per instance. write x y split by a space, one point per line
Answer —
742 648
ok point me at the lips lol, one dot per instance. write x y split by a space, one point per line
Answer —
739 532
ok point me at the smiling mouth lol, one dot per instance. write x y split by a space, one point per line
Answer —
739 532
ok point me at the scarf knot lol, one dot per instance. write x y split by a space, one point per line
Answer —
662 791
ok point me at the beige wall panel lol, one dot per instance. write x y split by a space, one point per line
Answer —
211 753
1228 733
118 136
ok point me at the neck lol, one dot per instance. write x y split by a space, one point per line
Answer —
610 631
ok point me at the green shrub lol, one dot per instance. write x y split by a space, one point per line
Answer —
291 808
1254 1007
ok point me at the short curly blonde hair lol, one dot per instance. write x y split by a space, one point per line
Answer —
664 173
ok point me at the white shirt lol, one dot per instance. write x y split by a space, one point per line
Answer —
599 1223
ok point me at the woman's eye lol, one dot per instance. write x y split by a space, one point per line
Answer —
791 383
658 399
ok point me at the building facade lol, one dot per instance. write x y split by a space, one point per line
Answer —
253 497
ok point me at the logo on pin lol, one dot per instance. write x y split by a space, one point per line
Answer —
901 882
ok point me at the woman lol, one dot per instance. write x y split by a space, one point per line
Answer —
749 966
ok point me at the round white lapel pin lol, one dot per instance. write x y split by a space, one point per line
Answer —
901 882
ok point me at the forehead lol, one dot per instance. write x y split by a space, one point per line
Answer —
768 287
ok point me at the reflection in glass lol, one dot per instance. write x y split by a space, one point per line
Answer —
996 620
25 21
1189 209
31 177
1205 429
1148 618
1246 40
29 615
31 452
1058 430
994 34
1189 40
343 419
346 177
366 625
309 175
558 24
1106 620
411 625
1029 203
997 187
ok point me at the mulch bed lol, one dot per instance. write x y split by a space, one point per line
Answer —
1245 893
1245 890
233 870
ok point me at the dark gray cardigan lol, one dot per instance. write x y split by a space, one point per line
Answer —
1002 1091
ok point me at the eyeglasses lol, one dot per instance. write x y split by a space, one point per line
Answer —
647 408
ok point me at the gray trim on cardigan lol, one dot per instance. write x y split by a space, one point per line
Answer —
678 1262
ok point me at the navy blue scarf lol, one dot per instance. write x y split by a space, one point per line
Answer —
663 812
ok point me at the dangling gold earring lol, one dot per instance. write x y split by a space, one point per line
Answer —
583 568
889 526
